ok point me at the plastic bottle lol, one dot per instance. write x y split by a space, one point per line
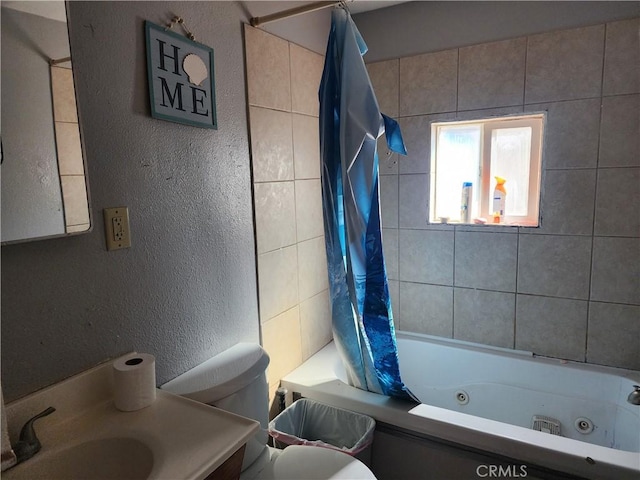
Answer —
465 207
499 198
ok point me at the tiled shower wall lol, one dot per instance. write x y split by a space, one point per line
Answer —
569 289
283 80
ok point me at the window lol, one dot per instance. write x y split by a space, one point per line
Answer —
466 158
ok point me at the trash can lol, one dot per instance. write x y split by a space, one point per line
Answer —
307 422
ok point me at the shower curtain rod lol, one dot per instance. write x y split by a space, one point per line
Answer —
292 12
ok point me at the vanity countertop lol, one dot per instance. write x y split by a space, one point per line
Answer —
173 438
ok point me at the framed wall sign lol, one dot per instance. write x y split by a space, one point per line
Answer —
181 78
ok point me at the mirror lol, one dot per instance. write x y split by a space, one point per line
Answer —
43 174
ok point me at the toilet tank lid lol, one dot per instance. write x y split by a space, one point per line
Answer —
222 375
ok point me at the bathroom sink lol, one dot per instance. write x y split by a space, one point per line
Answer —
102 459
87 437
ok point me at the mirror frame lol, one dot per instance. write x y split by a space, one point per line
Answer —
82 148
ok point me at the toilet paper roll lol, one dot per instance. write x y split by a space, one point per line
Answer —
134 378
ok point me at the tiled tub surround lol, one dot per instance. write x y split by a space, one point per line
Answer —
283 80
570 288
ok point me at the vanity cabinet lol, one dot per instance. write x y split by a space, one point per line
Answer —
231 468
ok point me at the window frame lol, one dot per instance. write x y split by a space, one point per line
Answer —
536 121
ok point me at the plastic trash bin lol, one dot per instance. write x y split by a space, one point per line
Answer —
307 422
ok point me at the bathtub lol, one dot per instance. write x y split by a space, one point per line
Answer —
485 400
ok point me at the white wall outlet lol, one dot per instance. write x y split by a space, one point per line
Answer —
116 228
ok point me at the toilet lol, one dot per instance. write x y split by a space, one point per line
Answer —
236 381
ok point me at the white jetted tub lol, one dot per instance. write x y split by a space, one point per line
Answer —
567 417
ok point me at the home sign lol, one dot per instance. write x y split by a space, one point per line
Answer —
181 82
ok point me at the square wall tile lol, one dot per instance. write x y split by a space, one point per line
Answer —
620 132
64 95
567 202
390 248
554 265
69 149
306 146
308 204
426 309
271 145
484 316
74 197
615 275
617 201
428 83
306 73
268 73
554 327
312 267
571 133
486 260
416 132
387 160
384 77
394 293
613 335
488 113
77 228
564 65
277 281
389 200
413 195
622 58
281 339
315 324
426 256
275 215
492 74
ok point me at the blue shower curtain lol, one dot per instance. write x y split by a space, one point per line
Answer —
350 123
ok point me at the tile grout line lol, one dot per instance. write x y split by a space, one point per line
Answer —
595 195
518 230
515 297
524 78
453 286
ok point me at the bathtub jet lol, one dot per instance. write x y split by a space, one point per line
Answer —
634 397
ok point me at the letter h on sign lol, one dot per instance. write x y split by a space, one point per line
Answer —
181 80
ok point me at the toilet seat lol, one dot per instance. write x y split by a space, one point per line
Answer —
317 463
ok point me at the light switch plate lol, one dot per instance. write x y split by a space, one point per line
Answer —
116 228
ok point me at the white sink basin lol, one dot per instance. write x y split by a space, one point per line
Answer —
103 459
88 438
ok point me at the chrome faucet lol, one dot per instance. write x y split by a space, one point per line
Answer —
29 445
634 397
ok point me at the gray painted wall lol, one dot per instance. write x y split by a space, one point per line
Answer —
186 289
421 27
31 195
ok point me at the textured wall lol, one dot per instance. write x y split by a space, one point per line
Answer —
186 289
569 289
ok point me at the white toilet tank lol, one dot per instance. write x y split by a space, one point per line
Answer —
234 381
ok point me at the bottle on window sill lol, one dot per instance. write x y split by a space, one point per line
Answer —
499 198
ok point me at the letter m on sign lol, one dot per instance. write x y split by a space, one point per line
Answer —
177 91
